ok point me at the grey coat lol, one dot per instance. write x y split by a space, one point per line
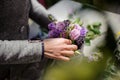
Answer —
20 59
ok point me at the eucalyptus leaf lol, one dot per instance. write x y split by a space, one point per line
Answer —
90 33
87 42
77 52
96 31
97 24
51 17
77 20
80 23
90 27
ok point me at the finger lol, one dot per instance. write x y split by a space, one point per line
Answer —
67 53
51 56
67 41
64 58
70 47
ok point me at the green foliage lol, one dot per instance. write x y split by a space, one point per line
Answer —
78 21
93 32
51 17
75 70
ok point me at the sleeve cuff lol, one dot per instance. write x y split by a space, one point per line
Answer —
42 57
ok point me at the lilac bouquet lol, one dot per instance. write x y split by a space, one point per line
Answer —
73 30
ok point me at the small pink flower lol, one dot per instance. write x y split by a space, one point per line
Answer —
74 34
77 26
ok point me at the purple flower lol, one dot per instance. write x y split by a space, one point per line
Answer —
60 26
63 34
83 31
67 22
54 34
52 26
80 41
74 34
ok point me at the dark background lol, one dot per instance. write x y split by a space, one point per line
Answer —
109 5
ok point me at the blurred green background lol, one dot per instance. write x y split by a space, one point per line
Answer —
80 68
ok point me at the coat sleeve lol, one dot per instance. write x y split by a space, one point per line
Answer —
39 14
20 52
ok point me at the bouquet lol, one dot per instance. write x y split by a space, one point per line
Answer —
75 31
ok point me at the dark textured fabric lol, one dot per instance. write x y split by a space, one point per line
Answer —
14 19
14 26
32 71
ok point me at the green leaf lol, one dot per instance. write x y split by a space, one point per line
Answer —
87 42
80 23
51 17
77 20
96 31
90 27
77 52
90 35
97 24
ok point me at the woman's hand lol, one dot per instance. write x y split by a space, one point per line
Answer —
59 48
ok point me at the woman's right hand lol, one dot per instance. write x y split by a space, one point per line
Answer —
59 48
